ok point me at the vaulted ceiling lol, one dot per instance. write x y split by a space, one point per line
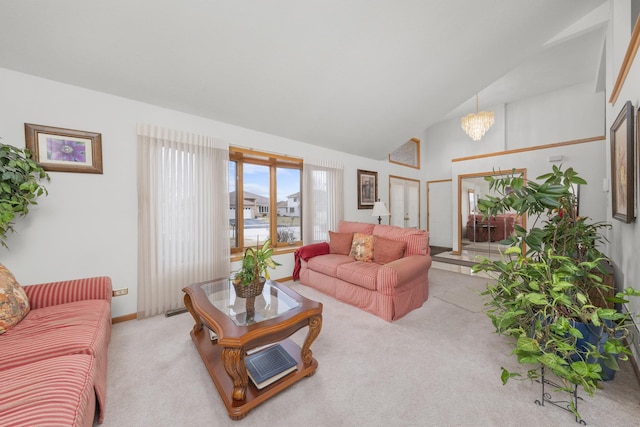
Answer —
360 76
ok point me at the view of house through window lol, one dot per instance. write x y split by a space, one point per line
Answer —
264 199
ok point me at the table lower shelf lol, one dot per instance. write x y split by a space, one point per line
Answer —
211 354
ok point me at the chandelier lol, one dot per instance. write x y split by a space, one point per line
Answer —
476 125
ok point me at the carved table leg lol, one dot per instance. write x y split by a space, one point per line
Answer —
233 360
315 324
187 303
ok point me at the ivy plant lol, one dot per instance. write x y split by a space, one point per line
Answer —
20 186
549 281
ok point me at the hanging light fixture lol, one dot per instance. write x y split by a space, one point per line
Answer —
476 125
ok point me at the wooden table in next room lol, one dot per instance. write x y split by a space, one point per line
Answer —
243 324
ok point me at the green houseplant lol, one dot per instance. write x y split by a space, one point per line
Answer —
549 289
20 186
253 272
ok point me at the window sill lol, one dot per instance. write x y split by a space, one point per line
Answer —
276 251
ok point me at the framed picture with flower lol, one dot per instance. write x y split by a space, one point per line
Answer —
64 150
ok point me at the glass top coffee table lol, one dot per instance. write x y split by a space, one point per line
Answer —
243 324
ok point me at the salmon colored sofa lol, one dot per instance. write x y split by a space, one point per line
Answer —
392 283
53 362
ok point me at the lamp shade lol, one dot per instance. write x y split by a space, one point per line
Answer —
379 209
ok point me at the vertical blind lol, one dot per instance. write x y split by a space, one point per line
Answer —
183 206
323 199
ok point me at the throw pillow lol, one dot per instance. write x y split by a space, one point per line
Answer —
362 247
387 250
340 243
14 303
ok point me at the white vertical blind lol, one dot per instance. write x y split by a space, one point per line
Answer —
322 199
183 207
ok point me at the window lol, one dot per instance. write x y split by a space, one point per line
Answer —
264 199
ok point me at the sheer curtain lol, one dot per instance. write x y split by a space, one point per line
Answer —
323 199
183 206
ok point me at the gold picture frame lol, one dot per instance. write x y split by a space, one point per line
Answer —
623 165
64 150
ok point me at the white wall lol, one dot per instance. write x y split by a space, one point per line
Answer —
88 224
586 159
570 114
625 238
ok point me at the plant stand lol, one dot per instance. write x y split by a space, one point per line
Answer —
562 404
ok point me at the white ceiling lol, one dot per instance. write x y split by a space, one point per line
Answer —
360 76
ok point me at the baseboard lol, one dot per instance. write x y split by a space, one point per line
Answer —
134 316
126 317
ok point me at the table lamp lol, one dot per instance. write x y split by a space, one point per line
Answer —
379 210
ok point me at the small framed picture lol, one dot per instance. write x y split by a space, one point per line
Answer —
367 189
64 150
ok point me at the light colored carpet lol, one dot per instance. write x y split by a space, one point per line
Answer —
437 366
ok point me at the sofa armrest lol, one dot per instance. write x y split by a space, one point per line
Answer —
401 271
54 293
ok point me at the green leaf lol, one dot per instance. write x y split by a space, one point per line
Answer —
506 375
536 298
513 250
527 344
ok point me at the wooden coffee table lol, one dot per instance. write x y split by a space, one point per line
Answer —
242 324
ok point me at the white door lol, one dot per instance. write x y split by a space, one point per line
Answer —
404 204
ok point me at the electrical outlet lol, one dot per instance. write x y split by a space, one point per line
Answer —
120 292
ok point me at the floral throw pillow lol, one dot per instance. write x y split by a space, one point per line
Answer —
362 247
14 303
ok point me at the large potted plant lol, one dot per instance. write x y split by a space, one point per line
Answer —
249 280
20 186
549 286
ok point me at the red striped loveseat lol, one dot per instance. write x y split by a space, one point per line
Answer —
53 362
388 279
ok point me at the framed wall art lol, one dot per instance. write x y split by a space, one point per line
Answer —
64 150
623 165
367 189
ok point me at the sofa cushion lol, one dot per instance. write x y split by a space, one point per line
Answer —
77 327
362 247
417 240
52 392
340 243
360 273
387 250
328 264
355 227
14 304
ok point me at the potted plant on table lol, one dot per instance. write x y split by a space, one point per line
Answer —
20 185
249 280
549 285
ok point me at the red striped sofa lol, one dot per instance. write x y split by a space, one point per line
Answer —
53 363
389 289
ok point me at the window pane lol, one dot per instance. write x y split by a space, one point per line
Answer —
289 204
233 203
256 204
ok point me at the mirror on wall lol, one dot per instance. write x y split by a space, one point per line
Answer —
478 235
